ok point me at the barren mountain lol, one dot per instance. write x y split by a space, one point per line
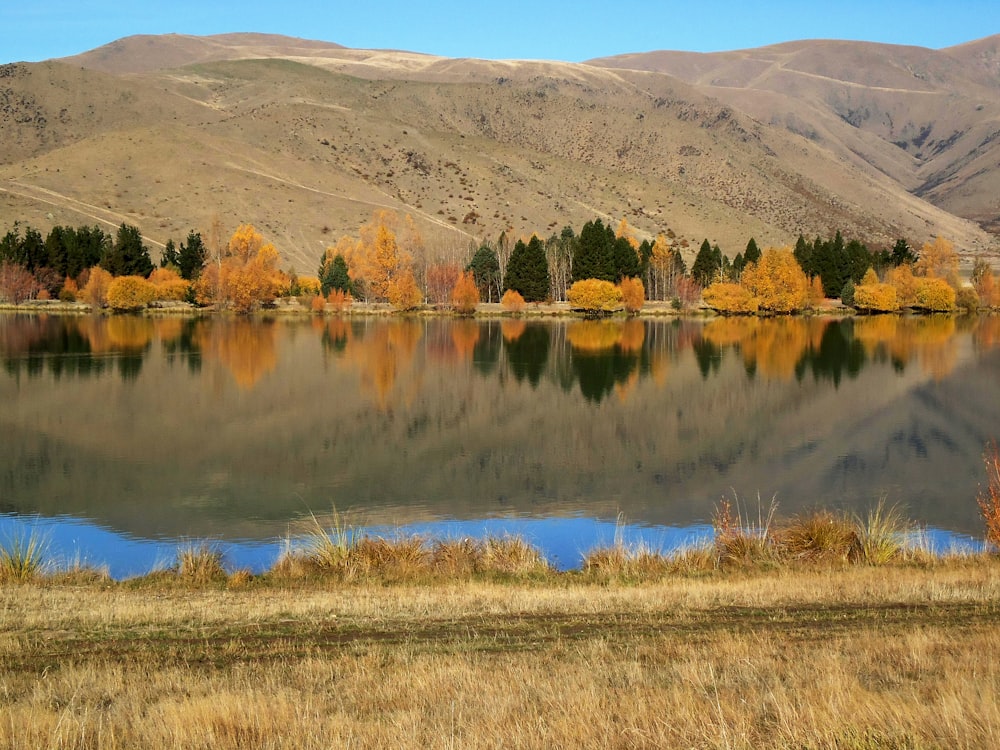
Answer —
304 139
929 119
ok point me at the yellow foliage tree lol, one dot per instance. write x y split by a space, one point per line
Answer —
633 294
777 282
905 283
129 293
625 231
465 294
816 294
403 292
988 289
595 296
663 268
938 260
730 299
168 285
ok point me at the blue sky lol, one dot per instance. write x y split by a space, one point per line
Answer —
35 30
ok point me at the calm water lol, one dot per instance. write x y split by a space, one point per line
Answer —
120 436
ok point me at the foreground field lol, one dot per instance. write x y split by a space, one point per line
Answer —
903 656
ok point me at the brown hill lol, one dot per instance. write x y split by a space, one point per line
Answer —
929 119
304 139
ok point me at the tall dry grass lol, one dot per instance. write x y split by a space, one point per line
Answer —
22 556
989 498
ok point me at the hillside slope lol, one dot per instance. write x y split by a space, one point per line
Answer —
305 139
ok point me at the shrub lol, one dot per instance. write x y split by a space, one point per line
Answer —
512 301
317 304
95 291
340 300
880 535
935 295
168 285
633 294
129 293
819 536
777 281
848 293
729 299
876 298
967 300
595 296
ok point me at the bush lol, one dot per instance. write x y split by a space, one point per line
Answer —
729 299
876 297
403 292
317 304
848 294
935 295
339 299
130 293
967 300
512 301
95 291
595 296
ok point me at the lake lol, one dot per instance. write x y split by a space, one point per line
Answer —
120 436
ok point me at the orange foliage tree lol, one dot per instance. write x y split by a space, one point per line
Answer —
168 285
633 294
95 291
129 293
245 276
384 251
595 296
465 294
905 283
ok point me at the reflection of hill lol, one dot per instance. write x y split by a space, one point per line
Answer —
178 451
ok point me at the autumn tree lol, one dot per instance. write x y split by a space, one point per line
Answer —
905 284
465 294
938 260
95 291
512 301
441 280
935 294
246 276
777 282
17 283
633 294
167 284
403 292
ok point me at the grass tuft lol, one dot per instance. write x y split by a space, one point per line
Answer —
200 563
881 535
22 558
741 541
821 536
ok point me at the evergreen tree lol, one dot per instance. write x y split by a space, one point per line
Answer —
485 268
752 253
739 263
192 256
128 256
626 260
902 253
57 250
859 260
528 271
803 254
705 264
333 275
645 253
33 250
594 257
170 257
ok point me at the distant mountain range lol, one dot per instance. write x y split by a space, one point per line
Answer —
305 139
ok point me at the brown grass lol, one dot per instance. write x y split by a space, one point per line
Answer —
850 657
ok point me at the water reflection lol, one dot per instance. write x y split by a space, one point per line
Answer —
162 427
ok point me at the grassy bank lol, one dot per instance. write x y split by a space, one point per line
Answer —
899 656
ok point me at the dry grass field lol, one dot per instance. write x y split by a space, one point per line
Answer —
904 656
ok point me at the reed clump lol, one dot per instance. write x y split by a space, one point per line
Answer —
22 557
989 498
200 563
